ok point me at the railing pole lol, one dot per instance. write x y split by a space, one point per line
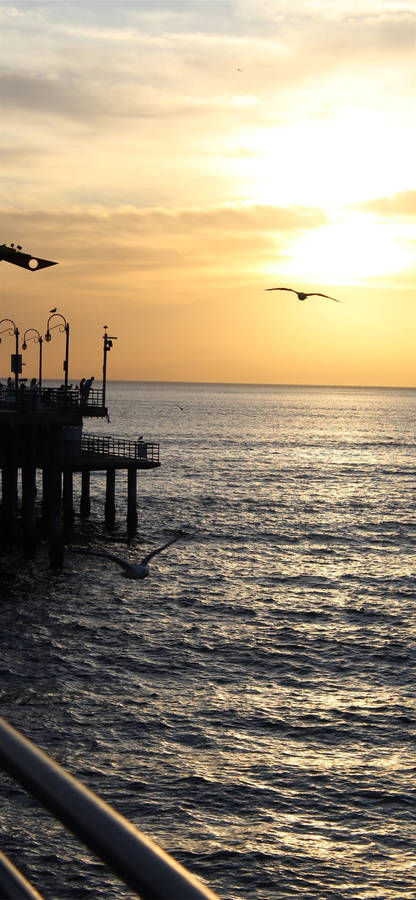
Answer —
144 866
13 884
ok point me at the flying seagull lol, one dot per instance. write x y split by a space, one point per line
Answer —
137 570
301 296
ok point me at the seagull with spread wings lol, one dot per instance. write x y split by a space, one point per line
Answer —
302 296
136 570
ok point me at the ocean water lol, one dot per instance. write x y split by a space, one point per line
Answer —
251 704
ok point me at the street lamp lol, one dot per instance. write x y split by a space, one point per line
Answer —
48 337
11 328
40 342
108 343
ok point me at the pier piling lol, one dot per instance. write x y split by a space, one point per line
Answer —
29 495
9 488
131 501
110 503
68 499
54 478
85 506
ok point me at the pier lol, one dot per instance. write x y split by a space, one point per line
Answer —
41 433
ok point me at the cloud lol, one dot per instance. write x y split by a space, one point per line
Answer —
402 204
144 102
15 154
105 247
112 221
119 64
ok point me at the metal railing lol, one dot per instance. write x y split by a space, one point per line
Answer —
109 446
41 398
135 858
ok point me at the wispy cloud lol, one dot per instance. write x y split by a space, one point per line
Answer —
144 238
402 205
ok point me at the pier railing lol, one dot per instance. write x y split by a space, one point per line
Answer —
134 857
45 397
97 445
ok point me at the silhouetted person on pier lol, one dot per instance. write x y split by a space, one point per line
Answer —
82 390
87 387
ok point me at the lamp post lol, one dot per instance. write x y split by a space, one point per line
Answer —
11 328
40 342
48 337
108 343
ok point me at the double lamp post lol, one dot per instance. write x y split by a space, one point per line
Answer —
16 366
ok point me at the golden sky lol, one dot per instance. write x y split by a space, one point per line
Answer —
177 158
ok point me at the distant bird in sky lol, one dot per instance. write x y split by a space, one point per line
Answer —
137 570
301 296
53 310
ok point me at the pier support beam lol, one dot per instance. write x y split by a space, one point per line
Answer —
9 489
29 495
54 492
68 500
44 498
110 493
131 501
85 506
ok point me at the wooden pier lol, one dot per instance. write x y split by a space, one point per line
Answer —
41 430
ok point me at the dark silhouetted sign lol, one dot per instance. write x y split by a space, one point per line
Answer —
16 364
18 257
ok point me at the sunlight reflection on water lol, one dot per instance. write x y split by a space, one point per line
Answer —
250 704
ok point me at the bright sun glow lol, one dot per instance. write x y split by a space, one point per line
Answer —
318 161
348 250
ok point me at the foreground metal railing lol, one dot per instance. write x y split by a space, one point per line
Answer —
109 446
139 862
13 884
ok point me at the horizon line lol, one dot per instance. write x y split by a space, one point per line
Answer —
277 384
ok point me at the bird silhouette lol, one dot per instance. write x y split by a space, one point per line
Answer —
302 296
136 570
53 310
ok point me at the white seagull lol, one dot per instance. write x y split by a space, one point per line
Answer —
301 296
136 570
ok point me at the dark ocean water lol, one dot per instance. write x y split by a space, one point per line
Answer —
250 705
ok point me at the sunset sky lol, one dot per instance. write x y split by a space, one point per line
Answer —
177 158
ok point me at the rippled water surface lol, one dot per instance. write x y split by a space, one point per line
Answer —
250 705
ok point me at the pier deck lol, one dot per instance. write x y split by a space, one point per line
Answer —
41 430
